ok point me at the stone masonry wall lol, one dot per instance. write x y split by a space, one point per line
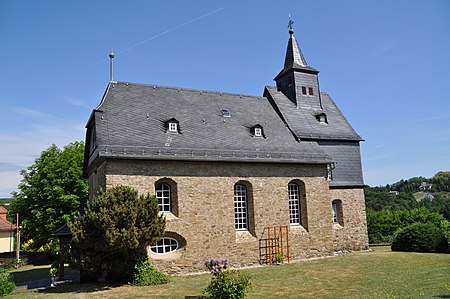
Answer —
204 225
352 235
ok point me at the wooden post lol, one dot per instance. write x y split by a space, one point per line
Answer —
17 239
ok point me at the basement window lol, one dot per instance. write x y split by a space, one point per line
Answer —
164 246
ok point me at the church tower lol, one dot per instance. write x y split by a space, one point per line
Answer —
298 81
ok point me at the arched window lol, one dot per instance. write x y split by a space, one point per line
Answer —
240 207
294 204
164 246
164 197
297 204
336 207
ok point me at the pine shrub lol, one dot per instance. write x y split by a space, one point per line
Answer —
112 233
420 237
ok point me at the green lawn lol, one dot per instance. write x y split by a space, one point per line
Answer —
377 274
418 195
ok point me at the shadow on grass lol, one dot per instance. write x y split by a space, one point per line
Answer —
31 274
23 275
196 297
441 296
76 287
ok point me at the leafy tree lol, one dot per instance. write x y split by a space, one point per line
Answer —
441 181
382 225
411 185
379 198
440 204
113 232
51 192
420 237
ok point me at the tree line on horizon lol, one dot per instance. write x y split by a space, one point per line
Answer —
401 195
397 206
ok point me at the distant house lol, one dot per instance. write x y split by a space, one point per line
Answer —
396 193
425 186
427 195
7 230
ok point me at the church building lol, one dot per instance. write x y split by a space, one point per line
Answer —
255 179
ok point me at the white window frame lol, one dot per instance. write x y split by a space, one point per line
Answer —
240 207
164 197
165 245
294 204
334 208
258 132
173 127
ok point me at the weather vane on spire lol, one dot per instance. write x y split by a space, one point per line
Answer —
290 23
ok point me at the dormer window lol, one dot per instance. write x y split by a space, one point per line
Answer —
322 118
258 131
173 127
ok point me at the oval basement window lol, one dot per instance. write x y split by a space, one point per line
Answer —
164 246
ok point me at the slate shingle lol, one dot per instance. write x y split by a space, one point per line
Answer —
130 120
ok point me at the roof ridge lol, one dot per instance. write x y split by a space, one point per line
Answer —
188 89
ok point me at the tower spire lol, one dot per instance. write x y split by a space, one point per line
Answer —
297 80
294 56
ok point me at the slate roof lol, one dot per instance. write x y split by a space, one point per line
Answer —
347 157
303 122
294 59
130 123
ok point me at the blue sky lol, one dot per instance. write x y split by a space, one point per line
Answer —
385 63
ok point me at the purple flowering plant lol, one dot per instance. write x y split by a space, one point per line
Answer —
215 266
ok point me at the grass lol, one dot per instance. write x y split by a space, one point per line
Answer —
377 274
418 195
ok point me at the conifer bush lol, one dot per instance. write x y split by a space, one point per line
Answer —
112 233
420 237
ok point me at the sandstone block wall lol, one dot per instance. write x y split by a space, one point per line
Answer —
204 226
352 235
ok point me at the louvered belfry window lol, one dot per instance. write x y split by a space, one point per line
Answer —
303 90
